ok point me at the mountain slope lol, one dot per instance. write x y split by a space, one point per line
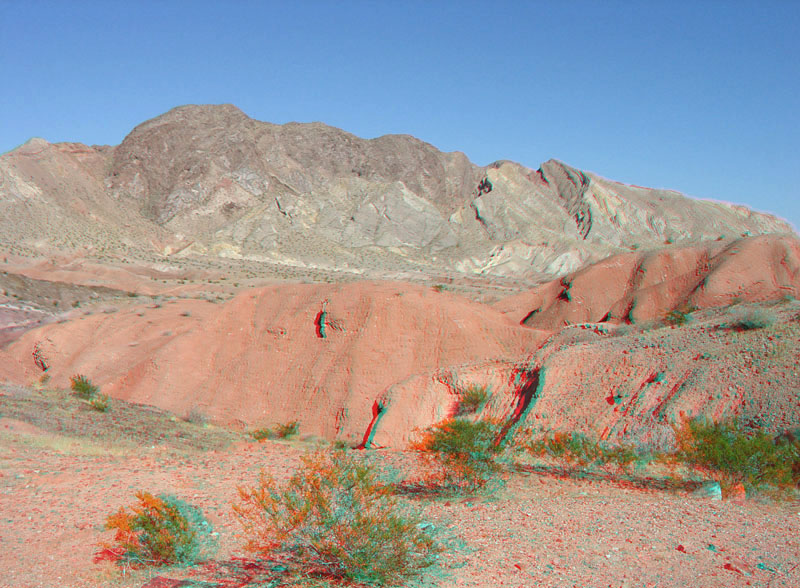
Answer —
209 180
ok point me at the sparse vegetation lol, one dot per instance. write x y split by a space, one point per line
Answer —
462 455
679 316
472 400
82 387
722 452
196 416
159 530
262 434
334 519
280 431
582 451
287 430
732 456
101 403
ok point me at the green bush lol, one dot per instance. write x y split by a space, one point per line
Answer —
472 400
334 518
160 530
101 403
679 316
579 450
732 456
287 430
262 434
461 454
82 387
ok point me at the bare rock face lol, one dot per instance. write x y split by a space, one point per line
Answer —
370 362
209 180
216 174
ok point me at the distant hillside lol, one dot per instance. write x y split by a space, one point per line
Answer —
209 180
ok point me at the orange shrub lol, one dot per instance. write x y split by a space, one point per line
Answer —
160 530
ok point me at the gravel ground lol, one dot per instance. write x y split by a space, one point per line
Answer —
539 530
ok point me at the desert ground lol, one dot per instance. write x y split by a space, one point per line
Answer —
64 474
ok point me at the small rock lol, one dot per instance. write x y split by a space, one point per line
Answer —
710 490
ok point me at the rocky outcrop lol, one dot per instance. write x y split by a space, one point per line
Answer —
209 180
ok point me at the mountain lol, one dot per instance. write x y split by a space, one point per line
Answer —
210 182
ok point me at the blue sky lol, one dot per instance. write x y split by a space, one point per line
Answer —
702 96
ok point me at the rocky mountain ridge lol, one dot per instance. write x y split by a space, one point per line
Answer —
210 181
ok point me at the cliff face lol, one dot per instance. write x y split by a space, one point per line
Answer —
209 180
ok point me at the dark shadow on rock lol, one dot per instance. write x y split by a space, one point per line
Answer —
526 393
319 323
378 409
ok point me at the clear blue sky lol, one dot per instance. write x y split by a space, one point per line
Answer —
698 96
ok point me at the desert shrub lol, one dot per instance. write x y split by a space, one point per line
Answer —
624 456
159 530
334 518
472 400
462 455
582 451
733 456
262 434
679 316
101 403
82 387
570 447
751 319
287 430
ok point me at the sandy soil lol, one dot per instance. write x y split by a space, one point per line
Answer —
540 530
